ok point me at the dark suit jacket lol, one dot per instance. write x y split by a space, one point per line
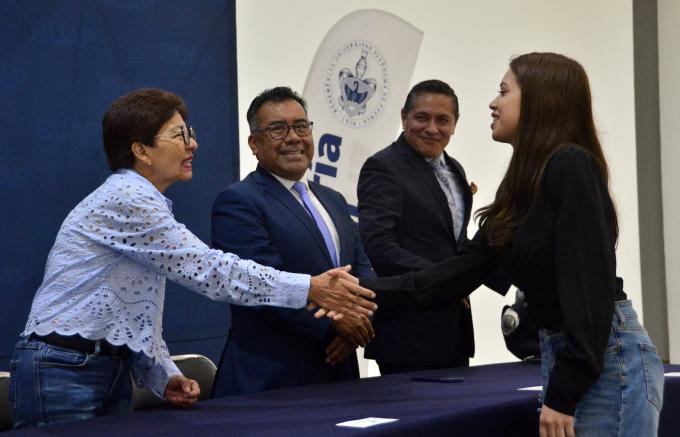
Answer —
406 225
259 219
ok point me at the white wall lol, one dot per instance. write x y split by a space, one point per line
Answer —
469 44
669 102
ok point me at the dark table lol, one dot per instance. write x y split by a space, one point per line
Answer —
486 403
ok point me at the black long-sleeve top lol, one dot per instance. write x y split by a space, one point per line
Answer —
562 256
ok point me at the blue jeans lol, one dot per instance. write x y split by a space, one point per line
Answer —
627 397
50 384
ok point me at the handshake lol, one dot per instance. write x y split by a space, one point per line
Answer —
338 295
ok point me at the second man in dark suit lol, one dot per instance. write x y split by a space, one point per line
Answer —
278 218
414 208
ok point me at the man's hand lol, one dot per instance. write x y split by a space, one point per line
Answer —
555 424
338 293
356 330
182 391
338 350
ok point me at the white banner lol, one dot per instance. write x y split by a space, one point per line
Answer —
355 89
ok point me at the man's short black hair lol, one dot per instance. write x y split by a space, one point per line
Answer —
432 86
277 94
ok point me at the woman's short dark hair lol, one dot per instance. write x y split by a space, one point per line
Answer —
137 117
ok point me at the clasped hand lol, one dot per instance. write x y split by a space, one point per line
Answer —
351 332
338 294
357 330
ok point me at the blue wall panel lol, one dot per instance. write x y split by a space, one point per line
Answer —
62 62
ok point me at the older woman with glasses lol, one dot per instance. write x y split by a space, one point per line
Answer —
98 313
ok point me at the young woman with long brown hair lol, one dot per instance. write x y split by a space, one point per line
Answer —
553 228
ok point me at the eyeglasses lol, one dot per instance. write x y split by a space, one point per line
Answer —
188 133
279 131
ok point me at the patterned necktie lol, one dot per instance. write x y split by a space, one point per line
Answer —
438 165
302 191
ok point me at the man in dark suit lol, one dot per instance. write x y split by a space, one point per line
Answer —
414 208
278 218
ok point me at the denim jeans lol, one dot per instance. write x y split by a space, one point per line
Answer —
626 399
50 384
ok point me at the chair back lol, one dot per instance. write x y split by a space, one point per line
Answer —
5 422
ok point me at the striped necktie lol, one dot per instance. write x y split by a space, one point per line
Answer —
438 165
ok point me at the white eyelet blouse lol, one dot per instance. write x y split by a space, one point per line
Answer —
105 275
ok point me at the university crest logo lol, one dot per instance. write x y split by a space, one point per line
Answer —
356 96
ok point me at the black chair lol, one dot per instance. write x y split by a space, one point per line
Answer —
5 422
